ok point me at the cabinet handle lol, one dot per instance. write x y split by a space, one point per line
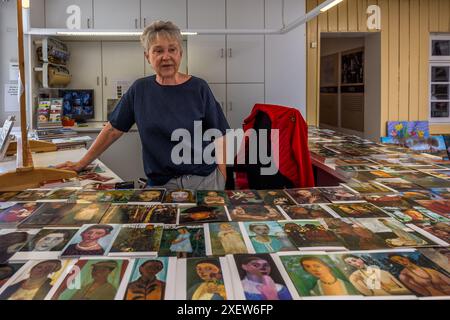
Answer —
231 106
230 53
106 81
89 23
135 23
222 52
145 22
98 80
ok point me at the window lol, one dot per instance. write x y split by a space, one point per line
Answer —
440 79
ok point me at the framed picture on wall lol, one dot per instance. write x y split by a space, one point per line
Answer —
329 71
352 67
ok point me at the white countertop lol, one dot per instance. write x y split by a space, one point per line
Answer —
94 127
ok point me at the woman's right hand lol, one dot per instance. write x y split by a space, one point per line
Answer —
71 166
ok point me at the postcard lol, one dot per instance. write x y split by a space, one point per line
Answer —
339 194
90 240
46 244
357 210
12 240
426 180
63 194
418 194
125 213
307 196
440 230
114 196
141 239
441 207
7 271
91 279
226 238
388 200
163 213
34 281
202 214
183 241
395 234
15 214
243 197
30 195
5 196
275 197
151 279
257 278
212 198
412 270
204 279
268 237
307 211
180 197
398 184
367 188
440 256
95 177
406 129
254 213
311 235
368 277
57 214
443 193
148 196
442 174
316 275
354 236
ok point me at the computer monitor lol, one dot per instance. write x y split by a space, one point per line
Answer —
78 104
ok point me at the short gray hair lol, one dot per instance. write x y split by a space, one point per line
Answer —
160 28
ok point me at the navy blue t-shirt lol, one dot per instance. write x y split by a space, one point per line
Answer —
158 110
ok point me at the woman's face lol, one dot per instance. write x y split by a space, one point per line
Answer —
49 242
261 230
355 262
42 270
165 56
315 268
258 267
93 234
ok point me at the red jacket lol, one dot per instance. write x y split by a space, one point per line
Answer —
294 157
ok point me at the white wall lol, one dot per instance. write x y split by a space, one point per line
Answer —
285 57
8 50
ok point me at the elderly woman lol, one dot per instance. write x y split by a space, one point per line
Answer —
161 104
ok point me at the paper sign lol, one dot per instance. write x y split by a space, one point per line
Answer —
13 71
11 97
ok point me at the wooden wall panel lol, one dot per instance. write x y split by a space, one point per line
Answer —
424 52
434 15
414 57
404 63
333 19
394 58
352 13
384 5
444 15
312 90
362 15
342 16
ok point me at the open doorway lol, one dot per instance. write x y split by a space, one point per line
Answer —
350 83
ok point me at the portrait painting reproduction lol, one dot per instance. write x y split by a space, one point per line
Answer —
268 237
137 239
16 213
90 240
124 213
34 281
259 277
93 279
148 196
148 279
226 238
202 214
254 213
307 211
212 198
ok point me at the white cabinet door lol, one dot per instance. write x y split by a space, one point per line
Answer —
167 10
245 14
122 61
85 65
183 66
206 14
206 57
245 59
241 99
117 14
219 91
56 15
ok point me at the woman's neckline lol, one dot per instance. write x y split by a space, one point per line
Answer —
173 85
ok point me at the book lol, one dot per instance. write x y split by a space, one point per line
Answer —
226 238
